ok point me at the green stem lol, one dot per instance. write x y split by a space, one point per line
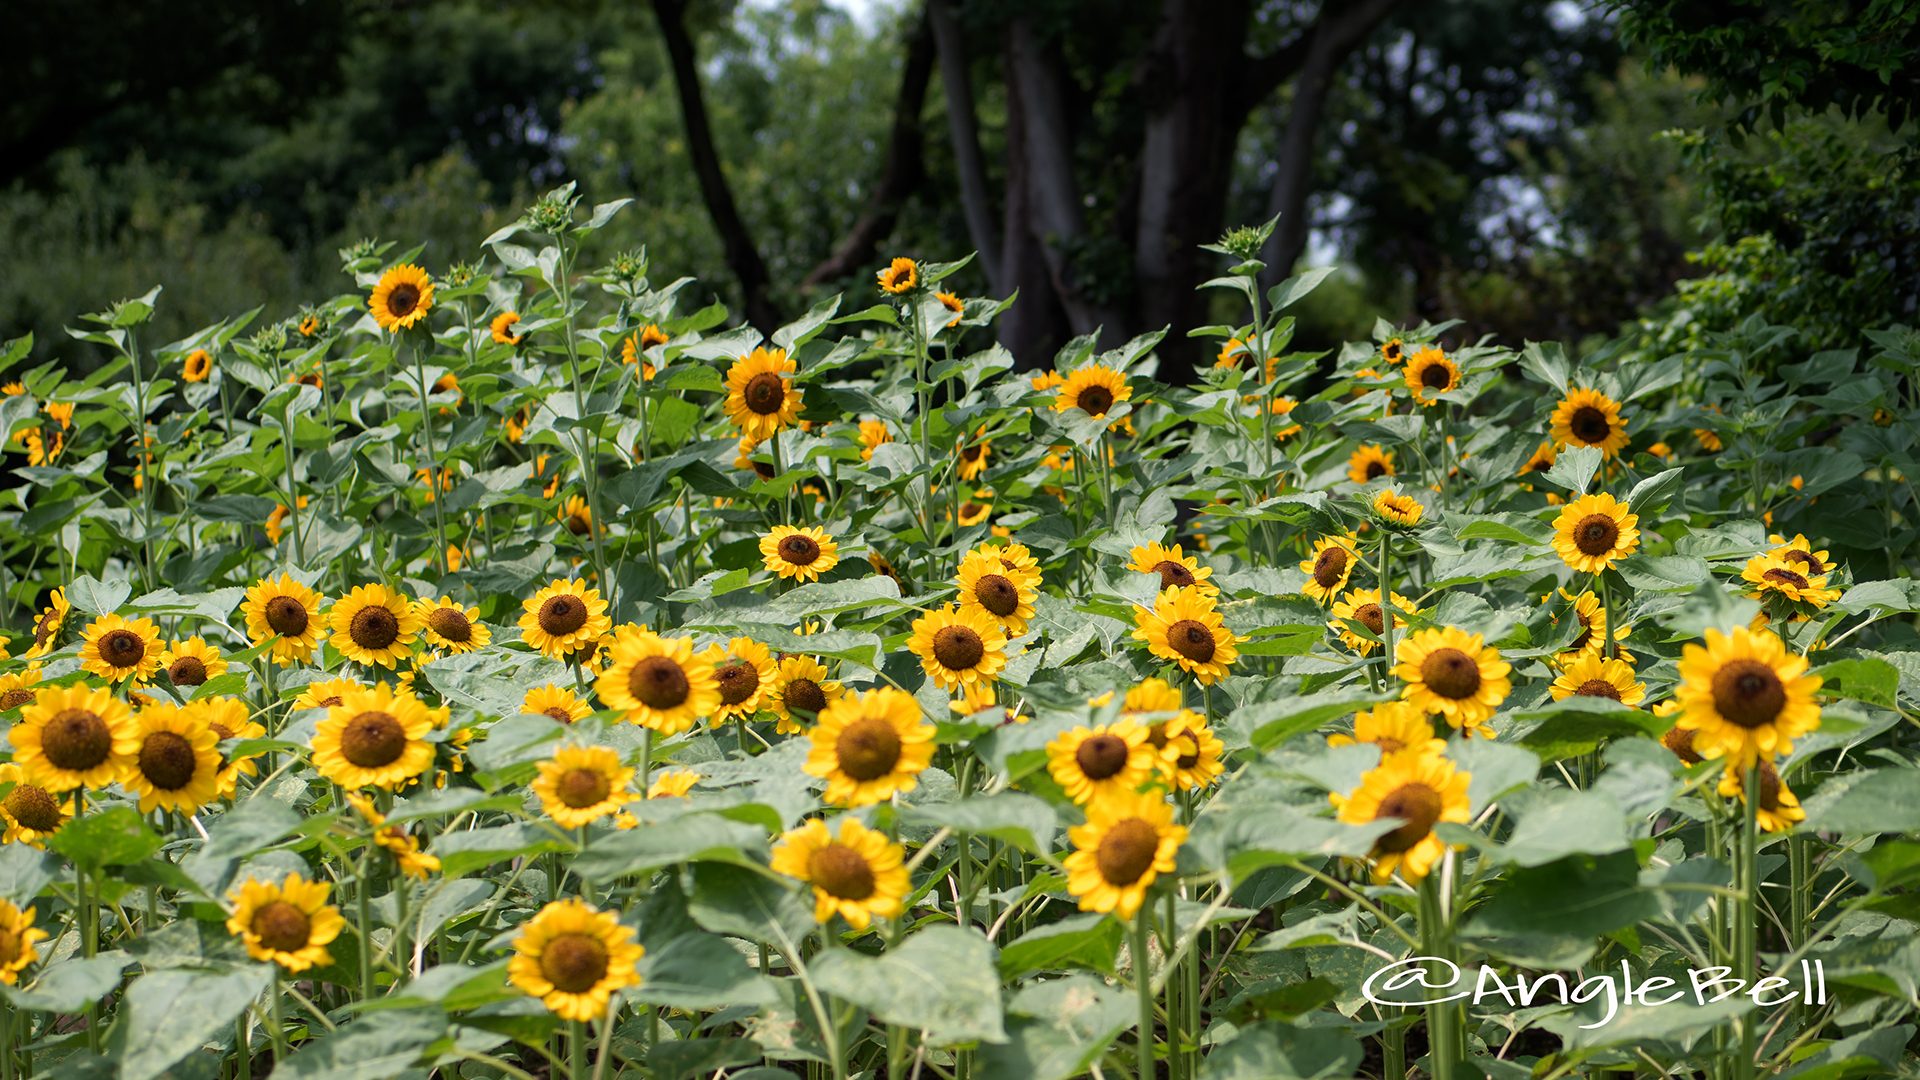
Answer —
433 462
1386 605
1143 982
363 907
278 1030
1443 1033
577 1049
1745 959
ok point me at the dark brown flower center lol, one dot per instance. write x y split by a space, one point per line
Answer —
659 683
1589 424
1330 566
1769 787
738 681
167 760
972 453
1388 744
1785 577
1191 639
373 627
1418 805
997 595
574 963
33 807
1371 617
282 926
580 788
1586 633
451 623
1102 756
579 522
1174 574
14 698
957 648
1450 673
1680 741
1807 559
76 740
765 393
804 695
841 872
1391 352
1436 377
47 625
1127 851
122 648
287 617
1598 688
373 740
1095 400
187 671
1595 534
1376 469
799 549
560 714
1748 693
867 749
562 615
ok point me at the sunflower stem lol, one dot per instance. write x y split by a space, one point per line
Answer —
363 908
278 1031
1143 983
1443 1032
433 461
1744 957
577 1049
1386 605
1175 989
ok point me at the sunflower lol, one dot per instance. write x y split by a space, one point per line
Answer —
290 923
1745 696
401 298
1184 627
576 515
502 328
1392 351
1127 842
562 617
975 510
1778 809
1449 671
44 445
954 304
197 366
451 627
973 458
1587 417
1543 458
672 784
1772 574
556 701
176 763
1175 567
1369 462
1101 762
987 587
901 275
287 612
1093 389
579 785
276 523
1593 675
959 646
1594 532
374 738
74 736
1047 380
869 746
1430 373
761 400
658 682
1593 629
1189 752
227 718
1282 411
326 693
1799 553
1396 509
1363 606
981 697
394 840
1392 726
575 958
117 648
744 670
1328 566
46 627
18 942
800 690
191 662
873 435
800 553
1420 790
856 873
372 625
31 812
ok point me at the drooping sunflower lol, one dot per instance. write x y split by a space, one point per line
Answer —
1094 763
1594 675
1451 672
761 400
374 738
47 625
191 662
561 618
658 682
974 456
287 611
1363 606
1127 842
556 701
502 328
1595 532
1184 627
957 646
176 765
1369 462
402 297
975 510
1800 552
576 515
197 366
800 691
1587 417
988 588
869 746
1745 696
373 626
17 688
1431 372
1175 567
74 736
395 840
799 553
228 718
744 670
115 648
1421 790
672 784
1328 566
1771 574
953 303
1403 511
1777 810
1392 726
450 627
575 958
981 697
289 923
579 785
1093 389
856 872
19 942
31 812
901 275
873 435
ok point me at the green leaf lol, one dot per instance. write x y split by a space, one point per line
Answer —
1573 469
1869 679
1558 823
70 985
942 981
1497 769
1872 801
1664 573
154 1033
24 871
1057 1028
1084 941
701 971
1294 289
1269 723
90 595
116 836
1011 816
1650 496
473 849
378 1046
1274 1051
750 904
691 838
1550 916
1577 725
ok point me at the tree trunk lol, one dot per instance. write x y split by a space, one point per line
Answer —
1036 324
963 129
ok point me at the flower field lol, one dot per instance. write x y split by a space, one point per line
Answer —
508 668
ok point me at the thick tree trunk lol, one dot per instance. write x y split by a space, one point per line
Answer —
963 129
1035 325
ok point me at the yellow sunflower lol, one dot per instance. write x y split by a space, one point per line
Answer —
46 627
873 435
855 873
1745 696
1451 672
373 626
287 612
1592 675
800 691
1778 809
579 785
1370 462
74 736
973 458
1127 842
1184 627
1430 372
900 276
502 328
450 627
761 400
228 718
290 923
988 588
576 515
1103 761
1175 567
1093 389
374 738
115 648
1595 532
575 958
402 297
800 553
1328 566
672 784
954 304
1363 606
197 366
191 662
1543 458
556 701
31 812
19 942
1392 726
869 746
563 617
975 510
325 693
1420 790
1190 754
959 646
17 688
1393 351
1772 574
1800 553
658 682
1588 417
1593 629
744 670
176 762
